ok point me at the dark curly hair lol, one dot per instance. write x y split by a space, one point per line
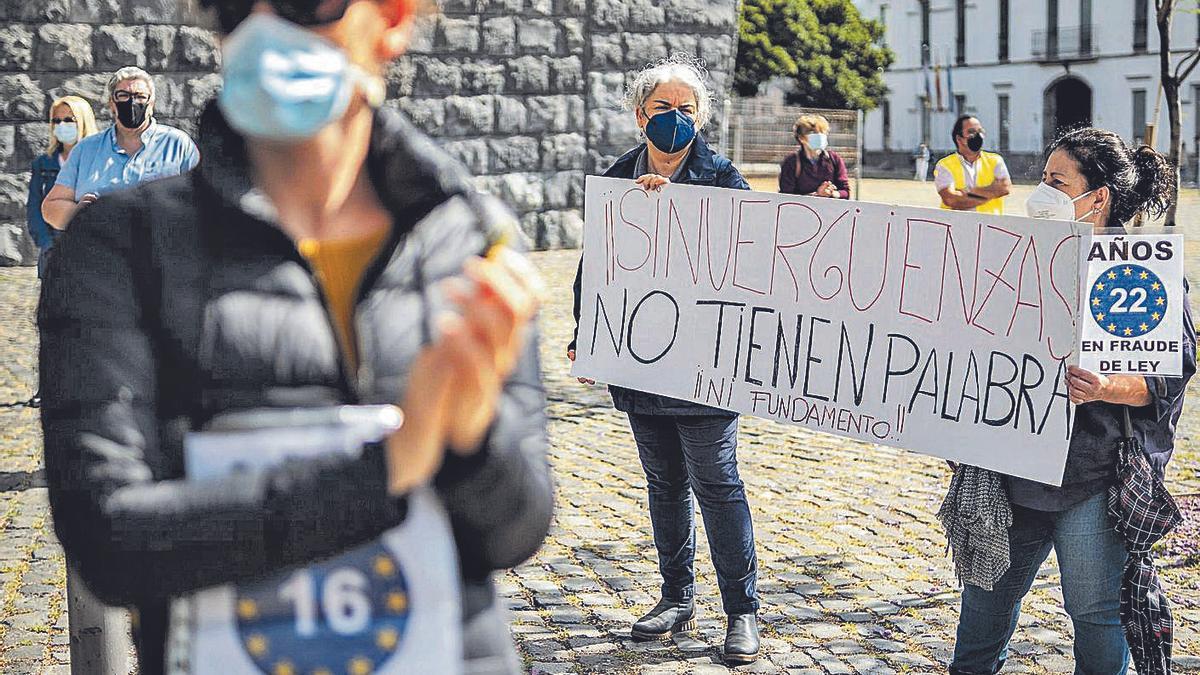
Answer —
959 123
1141 180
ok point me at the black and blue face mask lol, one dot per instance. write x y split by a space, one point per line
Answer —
670 131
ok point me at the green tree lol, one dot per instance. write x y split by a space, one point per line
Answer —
835 56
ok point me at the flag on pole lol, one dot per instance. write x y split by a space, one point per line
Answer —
950 89
928 85
937 84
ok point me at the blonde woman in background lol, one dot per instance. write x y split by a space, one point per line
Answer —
71 120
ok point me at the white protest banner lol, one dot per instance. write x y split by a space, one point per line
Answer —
943 332
1133 295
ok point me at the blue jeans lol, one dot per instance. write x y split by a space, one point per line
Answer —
686 454
1091 557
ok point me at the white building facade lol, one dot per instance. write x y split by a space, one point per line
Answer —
1026 69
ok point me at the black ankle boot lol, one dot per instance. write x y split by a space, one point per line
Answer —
741 639
667 617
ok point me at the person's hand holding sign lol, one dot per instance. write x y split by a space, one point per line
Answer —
652 181
1084 386
827 189
582 380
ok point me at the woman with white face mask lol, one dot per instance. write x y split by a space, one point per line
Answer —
71 120
1090 176
813 169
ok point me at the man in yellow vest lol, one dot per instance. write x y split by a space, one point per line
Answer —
971 179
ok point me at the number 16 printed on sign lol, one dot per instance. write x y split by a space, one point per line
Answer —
348 615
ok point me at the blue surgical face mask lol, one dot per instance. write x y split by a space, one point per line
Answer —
670 131
817 141
66 132
285 83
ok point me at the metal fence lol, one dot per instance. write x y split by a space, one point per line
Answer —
758 135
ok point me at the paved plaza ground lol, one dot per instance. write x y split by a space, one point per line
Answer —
854 576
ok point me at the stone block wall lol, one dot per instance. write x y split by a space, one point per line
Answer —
526 93
51 48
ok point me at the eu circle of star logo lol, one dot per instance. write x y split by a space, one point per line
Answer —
1127 300
344 615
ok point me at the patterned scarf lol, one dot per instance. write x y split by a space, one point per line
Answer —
976 515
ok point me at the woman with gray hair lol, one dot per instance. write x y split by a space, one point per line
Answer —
686 447
134 150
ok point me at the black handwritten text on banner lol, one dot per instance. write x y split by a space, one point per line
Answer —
943 332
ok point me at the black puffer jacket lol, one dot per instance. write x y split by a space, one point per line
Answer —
175 301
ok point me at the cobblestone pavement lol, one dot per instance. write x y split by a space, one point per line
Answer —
854 576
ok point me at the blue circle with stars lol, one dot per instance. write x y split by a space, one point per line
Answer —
346 615
1127 301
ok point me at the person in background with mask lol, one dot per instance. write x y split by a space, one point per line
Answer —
71 120
326 253
1090 176
686 448
972 179
813 169
134 150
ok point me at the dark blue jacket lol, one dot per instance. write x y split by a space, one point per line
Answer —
43 174
702 167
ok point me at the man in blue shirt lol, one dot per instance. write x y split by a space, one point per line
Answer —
135 149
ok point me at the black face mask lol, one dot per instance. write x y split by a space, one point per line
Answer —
975 142
131 114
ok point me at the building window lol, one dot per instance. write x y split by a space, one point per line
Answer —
1196 117
1192 164
1085 27
1196 114
1140 24
960 104
960 41
1003 50
924 32
887 124
1002 116
1052 29
1139 114
883 21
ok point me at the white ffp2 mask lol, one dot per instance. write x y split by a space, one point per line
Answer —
1048 202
